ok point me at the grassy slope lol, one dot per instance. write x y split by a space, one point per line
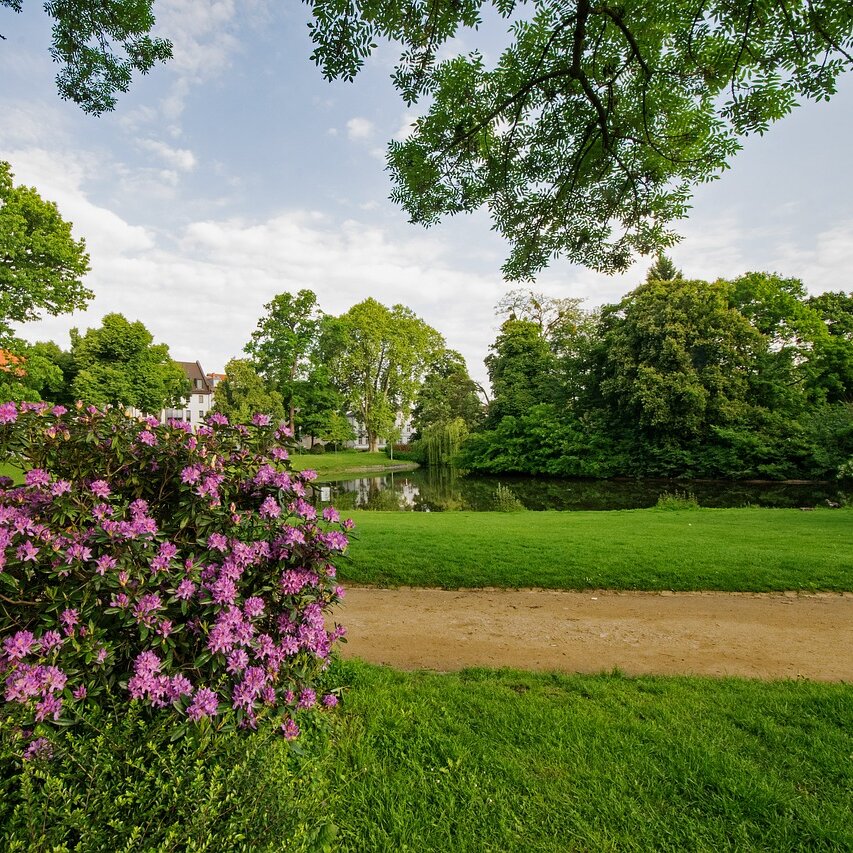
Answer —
346 462
506 761
705 549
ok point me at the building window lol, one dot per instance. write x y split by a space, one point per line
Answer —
201 398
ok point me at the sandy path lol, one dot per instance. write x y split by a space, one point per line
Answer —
784 635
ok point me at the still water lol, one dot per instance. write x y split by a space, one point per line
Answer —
443 490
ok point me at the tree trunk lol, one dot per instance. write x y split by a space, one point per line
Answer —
372 442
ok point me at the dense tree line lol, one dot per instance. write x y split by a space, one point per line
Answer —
316 368
748 378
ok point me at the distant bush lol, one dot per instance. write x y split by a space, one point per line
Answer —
677 500
505 500
146 563
412 452
317 449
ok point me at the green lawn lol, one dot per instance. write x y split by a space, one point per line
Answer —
505 761
704 549
329 465
7 470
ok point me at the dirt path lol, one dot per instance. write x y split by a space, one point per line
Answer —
784 635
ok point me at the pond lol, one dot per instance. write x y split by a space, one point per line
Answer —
443 490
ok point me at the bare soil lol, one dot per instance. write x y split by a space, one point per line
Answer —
757 635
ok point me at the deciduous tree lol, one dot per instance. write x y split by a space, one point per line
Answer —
283 344
586 136
243 394
99 45
119 364
383 355
41 264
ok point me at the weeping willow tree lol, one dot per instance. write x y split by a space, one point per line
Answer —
441 441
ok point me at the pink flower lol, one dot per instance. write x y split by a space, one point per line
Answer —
261 419
307 698
146 437
8 413
40 748
103 563
253 607
205 704
37 477
331 514
19 645
217 418
58 410
79 693
60 487
330 700
101 488
50 640
237 661
185 590
27 552
289 729
217 542
69 618
270 508
49 706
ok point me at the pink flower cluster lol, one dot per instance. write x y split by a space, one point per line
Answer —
197 573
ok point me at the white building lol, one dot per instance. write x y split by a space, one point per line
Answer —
194 408
403 424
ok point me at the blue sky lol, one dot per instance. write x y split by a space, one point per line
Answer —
236 172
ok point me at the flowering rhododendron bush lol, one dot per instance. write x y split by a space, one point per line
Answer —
186 570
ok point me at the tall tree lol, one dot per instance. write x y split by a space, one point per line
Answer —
283 344
555 316
522 370
447 393
587 134
663 269
243 394
120 365
676 358
383 355
100 44
41 264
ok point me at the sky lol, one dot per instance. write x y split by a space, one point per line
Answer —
236 172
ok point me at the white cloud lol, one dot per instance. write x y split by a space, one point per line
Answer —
181 159
359 129
407 126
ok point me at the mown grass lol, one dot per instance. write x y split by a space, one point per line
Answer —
704 549
504 761
7 470
329 465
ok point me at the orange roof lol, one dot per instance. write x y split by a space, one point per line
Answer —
11 363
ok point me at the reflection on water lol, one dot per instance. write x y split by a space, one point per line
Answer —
443 489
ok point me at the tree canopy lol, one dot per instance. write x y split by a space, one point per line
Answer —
383 355
41 264
99 45
283 344
119 364
243 394
585 137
